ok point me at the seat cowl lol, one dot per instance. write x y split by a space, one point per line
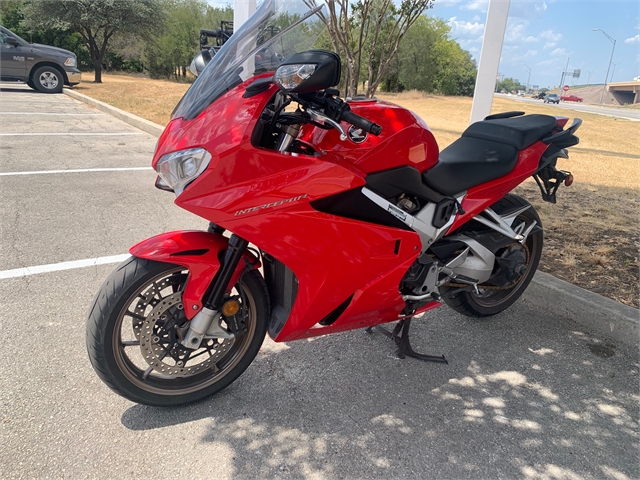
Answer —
519 132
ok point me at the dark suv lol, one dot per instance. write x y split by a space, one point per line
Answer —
43 68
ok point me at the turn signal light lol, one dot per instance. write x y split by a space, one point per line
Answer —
568 180
230 308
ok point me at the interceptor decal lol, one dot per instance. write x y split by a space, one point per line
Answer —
270 205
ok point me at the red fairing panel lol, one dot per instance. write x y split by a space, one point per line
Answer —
405 139
334 258
171 247
483 196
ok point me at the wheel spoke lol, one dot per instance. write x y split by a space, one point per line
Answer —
146 373
130 343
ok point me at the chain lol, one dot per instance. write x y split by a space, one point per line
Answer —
493 287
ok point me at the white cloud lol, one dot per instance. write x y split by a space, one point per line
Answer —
530 39
551 38
515 31
547 63
447 3
465 28
635 39
479 5
527 9
558 52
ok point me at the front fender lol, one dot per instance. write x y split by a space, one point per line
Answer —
199 252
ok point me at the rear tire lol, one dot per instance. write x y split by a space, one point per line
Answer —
130 314
492 302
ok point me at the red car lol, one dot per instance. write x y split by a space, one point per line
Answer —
570 98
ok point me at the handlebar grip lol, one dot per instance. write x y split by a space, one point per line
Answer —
361 122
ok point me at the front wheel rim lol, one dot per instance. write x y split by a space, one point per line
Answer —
128 338
49 80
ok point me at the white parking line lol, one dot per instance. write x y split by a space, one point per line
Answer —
76 134
56 267
77 170
47 113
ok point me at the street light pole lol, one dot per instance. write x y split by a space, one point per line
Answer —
610 60
589 77
529 77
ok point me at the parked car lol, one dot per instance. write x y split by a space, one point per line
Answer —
552 98
42 67
570 98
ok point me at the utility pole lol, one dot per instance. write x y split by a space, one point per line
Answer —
564 73
604 87
529 77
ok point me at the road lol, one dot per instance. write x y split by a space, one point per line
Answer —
579 107
526 394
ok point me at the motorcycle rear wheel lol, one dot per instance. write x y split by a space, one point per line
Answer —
493 301
134 345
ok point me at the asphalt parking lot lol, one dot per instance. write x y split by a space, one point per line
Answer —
526 394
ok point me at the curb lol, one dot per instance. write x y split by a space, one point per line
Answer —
133 120
600 314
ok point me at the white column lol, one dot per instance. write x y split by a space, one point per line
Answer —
242 10
494 30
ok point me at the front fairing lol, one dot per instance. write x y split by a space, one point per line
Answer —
242 176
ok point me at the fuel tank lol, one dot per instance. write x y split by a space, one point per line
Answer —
405 139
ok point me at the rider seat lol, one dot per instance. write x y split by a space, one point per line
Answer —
487 150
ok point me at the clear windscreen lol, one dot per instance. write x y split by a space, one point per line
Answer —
277 30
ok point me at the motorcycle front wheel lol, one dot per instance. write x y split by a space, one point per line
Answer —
134 335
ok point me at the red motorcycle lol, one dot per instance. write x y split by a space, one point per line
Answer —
339 215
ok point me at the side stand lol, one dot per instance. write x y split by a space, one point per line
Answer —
400 335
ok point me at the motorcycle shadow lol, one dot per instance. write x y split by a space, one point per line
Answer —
518 398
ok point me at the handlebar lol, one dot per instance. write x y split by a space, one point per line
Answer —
361 122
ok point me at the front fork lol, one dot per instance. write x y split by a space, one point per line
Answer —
203 322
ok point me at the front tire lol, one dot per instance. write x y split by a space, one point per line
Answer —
48 80
493 301
133 340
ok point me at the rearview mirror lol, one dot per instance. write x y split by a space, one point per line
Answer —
13 41
199 62
308 72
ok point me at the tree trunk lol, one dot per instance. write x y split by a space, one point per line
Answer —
98 69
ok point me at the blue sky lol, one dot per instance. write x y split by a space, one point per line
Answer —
543 33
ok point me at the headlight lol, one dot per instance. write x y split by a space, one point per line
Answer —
71 62
289 77
178 169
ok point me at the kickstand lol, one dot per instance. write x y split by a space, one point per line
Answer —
400 335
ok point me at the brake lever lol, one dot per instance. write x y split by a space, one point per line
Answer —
317 116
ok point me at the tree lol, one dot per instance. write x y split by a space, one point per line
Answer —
371 32
509 85
429 60
97 21
12 17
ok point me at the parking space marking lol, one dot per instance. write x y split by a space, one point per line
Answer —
73 134
48 113
56 267
77 170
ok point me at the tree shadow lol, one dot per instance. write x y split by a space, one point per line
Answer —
517 400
